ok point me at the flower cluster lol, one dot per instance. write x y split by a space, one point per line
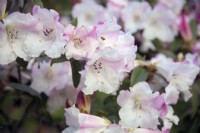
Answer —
103 43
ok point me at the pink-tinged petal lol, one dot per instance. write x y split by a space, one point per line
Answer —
85 123
124 98
160 105
184 27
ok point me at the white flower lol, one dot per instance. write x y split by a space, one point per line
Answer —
89 16
135 15
18 25
137 108
161 24
51 32
46 78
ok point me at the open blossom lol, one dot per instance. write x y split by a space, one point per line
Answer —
89 16
81 44
180 76
161 24
17 27
51 32
46 78
84 123
135 15
137 108
113 59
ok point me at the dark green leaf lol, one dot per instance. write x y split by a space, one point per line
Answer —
62 58
195 102
25 89
175 45
76 67
74 22
138 74
38 2
158 44
168 54
22 62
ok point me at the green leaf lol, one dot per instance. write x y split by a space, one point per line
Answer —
38 2
168 54
195 102
22 62
158 44
74 22
62 58
175 45
76 67
138 74
25 89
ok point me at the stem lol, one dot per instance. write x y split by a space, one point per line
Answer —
19 73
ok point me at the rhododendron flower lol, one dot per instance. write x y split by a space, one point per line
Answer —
183 77
7 54
115 54
51 32
175 5
161 24
46 78
89 16
100 75
137 108
84 123
135 15
81 44
17 27
180 75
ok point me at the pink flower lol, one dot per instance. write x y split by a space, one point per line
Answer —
81 44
